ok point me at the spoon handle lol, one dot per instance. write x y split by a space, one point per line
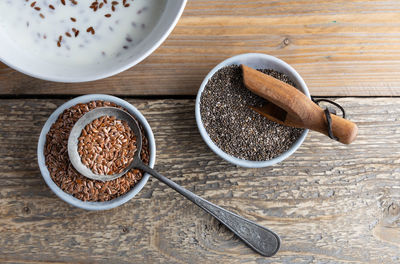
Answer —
259 238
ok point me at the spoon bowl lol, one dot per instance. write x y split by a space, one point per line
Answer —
86 119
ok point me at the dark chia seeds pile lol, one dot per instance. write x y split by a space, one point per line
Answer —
234 127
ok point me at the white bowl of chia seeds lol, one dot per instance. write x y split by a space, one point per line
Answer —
58 172
230 128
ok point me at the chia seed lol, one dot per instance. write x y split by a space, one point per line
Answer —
234 127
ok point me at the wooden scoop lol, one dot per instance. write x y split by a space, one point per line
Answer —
288 106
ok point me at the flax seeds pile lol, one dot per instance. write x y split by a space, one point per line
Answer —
107 145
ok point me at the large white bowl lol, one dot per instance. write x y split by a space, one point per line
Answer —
256 61
30 65
69 198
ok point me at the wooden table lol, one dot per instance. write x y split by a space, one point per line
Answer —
329 202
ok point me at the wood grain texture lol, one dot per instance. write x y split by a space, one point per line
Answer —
329 202
340 48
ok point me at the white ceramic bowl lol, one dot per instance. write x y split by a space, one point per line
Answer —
256 61
30 65
69 198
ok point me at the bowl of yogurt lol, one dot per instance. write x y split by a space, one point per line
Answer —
78 41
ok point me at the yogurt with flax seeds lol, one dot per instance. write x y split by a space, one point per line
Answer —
78 32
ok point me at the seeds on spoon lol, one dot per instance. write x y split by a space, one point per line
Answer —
107 145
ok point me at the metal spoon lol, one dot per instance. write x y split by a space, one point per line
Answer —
259 238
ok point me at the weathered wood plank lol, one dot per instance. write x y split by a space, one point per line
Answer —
340 47
330 203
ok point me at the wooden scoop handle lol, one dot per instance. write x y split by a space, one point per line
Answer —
301 111
343 129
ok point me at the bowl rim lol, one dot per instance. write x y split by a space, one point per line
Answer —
69 198
108 74
237 161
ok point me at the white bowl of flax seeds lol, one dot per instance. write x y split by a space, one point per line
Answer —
65 181
228 125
